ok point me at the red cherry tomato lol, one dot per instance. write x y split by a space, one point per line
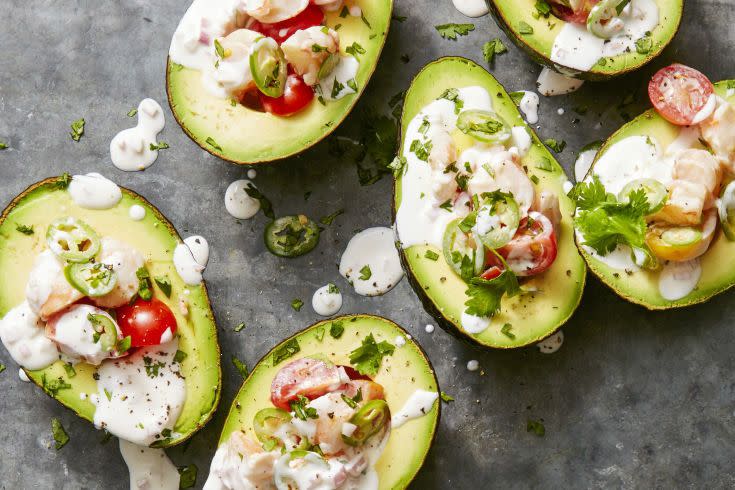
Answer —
296 97
678 93
145 321
493 267
280 31
353 374
578 16
307 377
533 248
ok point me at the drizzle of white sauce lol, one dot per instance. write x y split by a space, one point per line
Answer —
187 266
252 174
23 376
149 468
374 248
418 404
473 365
130 149
429 328
471 8
583 163
136 212
577 48
23 335
345 71
678 279
552 343
137 407
199 249
474 324
399 341
237 201
521 139
529 105
551 83
326 303
93 191
74 334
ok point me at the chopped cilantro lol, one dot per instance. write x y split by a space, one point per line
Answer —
446 398
160 145
70 371
300 409
524 28
59 434
239 327
132 112
536 426
145 288
77 129
188 476
296 304
332 288
491 48
336 330
644 44
506 330
180 356
452 94
485 295
398 166
265 204
447 205
164 284
545 165
557 146
431 255
26 230
240 366
327 220
355 49
285 350
422 150
368 357
451 31
365 273
211 142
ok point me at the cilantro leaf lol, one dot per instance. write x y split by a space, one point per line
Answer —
77 129
25 229
368 357
537 427
60 435
451 31
188 476
446 398
485 295
491 48
365 273
296 304
240 366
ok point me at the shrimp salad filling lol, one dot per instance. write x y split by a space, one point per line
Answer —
90 301
269 55
596 30
645 207
326 429
467 193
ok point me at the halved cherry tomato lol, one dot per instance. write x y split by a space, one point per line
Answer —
493 267
280 31
307 377
533 248
295 98
678 93
353 374
145 321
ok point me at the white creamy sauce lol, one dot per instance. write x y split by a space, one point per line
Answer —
418 404
23 376
93 191
560 111
74 333
199 249
471 8
429 328
529 105
186 265
687 138
551 83
373 248
149 468
130 149
135 406
577 48
567 186
474 324
552 343
326 303
521 139
635 157
252 174
473 365
678 279
136 212
345 71
419 220
399 341
583 163
237 201
23 335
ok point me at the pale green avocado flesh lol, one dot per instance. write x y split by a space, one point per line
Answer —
401 374
245 136
641 287
511 14
533 316
156 239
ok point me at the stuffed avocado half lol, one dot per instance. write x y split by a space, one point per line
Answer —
482 220
258 84
352 402
587 39
98 315
656 211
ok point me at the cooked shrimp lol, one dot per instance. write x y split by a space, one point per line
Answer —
125 261
301 54
699 167
47 290
504 173
272 11
685 204
333 413
718 131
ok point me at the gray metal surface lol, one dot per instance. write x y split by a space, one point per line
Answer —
633 399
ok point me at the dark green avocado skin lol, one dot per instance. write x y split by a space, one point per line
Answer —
592 75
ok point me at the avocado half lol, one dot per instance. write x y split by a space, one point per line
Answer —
245 136
442 292
401 373
511 14
156 238
641 287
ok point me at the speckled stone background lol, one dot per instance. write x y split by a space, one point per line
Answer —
632 400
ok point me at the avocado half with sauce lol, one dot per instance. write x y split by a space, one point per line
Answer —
405 371
155 237
641 286
246 136
535 34
442 292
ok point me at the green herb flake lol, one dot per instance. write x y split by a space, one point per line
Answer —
332 288
70 371
319 335
355 49
524 28
365 273
164 284
447 205
132 112
506 330
557 146
3 145
452 94
352 84
59 434
327 220
536 426
2 367
145 288
219 49
364 20
344 12
62 182
296 304
180 356
451 31
188 476
644 44
368 357
485 295
160 145
446 398
349 401
545 165
77 129
336 329
543 9
265 204
398 166
492 48
211 142
286 350
123 345
239 327
26 230
240 366
431 255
